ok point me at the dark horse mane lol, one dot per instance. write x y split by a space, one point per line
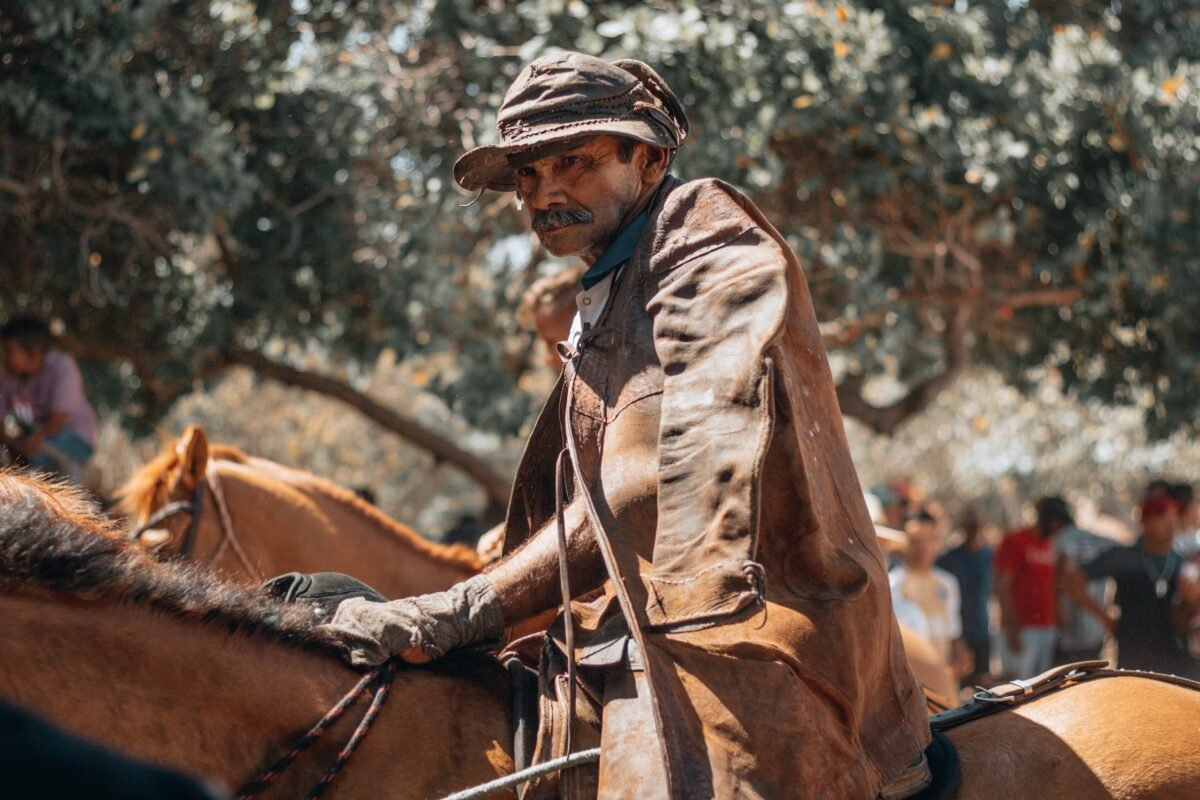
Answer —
52 538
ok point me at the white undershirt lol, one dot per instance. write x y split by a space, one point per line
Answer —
590 304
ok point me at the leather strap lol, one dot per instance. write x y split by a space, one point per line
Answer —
986 702
564 582
610 560
194 507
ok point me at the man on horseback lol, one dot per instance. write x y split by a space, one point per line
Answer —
731 625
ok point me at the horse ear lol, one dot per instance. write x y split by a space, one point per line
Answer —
192 451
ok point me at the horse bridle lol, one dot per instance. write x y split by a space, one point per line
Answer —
210 483
193 507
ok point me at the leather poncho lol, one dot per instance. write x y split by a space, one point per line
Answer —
707 441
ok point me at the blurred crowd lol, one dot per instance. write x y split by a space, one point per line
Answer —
1011 604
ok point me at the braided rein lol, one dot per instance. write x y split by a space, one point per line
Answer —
378 680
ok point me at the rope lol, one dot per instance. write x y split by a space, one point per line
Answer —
364 725
379 679
226 520
509 781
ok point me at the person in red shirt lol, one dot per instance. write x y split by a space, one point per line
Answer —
1026 586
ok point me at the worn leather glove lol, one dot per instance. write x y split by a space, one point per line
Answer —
429 625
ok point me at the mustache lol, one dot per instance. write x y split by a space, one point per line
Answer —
560 217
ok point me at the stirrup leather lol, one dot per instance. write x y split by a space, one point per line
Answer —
912 780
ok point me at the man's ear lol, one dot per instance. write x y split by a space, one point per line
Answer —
192 450
652 162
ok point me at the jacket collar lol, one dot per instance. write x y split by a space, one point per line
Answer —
618 252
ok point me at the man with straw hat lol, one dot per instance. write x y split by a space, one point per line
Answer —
688 485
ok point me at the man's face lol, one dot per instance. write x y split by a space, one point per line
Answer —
579 197
21 361
1161 527
924 544
1048 526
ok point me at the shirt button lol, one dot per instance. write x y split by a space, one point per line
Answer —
587 301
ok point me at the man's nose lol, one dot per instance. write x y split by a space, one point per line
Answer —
544 193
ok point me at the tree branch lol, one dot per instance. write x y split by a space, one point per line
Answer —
12 186
886 419
443 449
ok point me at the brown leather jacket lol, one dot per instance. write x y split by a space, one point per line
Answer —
707 437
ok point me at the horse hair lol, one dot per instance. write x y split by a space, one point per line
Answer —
139 495
51 538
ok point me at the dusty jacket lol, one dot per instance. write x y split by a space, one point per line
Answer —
708 438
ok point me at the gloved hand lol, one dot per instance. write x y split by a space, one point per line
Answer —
418 629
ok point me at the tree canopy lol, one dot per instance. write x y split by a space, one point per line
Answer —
192 185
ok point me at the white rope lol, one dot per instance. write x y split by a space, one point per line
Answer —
536 771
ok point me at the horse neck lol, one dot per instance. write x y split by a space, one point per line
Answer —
289 524
226 705
189 696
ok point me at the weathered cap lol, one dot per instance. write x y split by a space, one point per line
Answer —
568 95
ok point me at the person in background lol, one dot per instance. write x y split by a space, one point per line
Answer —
971 565
933 590
1187 546
896 498
1027 594
1187 537
1153 592
1080 634
41 395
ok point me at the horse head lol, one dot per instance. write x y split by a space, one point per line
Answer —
254 518
165 499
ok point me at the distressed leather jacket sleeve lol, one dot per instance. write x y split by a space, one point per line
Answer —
717 303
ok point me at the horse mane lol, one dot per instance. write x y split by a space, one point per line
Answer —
456 554
52 539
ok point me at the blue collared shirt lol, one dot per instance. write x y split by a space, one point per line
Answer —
618 252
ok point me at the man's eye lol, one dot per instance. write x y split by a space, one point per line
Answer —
526 172
570 161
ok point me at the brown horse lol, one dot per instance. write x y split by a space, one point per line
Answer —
172 665
256 519
167 662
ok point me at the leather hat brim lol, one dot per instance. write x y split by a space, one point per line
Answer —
488 167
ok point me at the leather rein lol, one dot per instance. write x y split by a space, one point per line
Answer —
211 484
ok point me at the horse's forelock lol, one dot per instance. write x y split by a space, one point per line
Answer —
144 493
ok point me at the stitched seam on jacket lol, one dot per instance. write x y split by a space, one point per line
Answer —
623 406
736 563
